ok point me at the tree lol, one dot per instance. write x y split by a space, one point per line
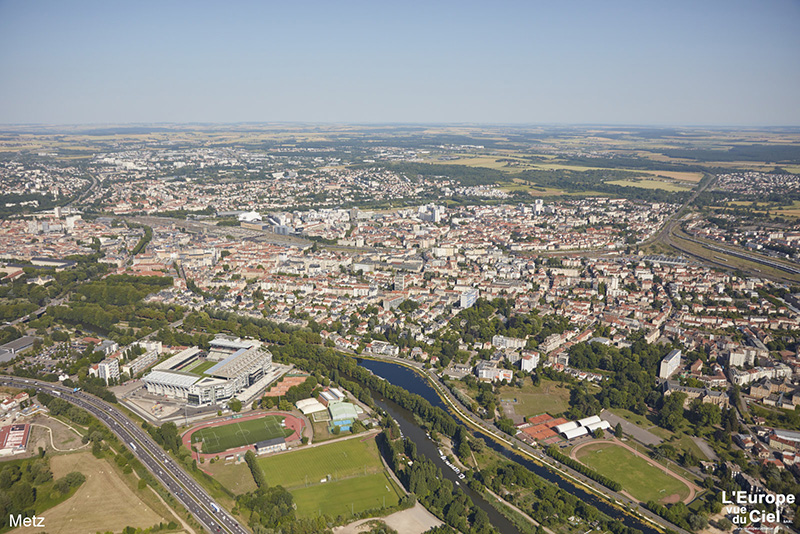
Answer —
671 415
618 430
23 495
235 405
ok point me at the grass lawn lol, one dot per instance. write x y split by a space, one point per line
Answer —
642 421
638 477
548 397
307 466
235 477
345 497
687 444
239 433
201 367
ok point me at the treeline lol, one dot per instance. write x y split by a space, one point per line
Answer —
436 493
167 436
105 318
766 153
553 452
255 469
16 310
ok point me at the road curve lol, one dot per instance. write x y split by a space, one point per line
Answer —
181 485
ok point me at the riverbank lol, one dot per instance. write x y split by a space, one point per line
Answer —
618 505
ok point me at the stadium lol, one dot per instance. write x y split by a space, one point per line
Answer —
232 367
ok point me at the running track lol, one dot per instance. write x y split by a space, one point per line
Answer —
292 421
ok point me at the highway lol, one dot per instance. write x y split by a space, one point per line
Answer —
181 485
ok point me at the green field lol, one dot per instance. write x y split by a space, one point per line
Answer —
340 460
651 184
345 497
637 476
200 367
237 434
529 400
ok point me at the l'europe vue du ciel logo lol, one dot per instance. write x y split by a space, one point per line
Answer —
747 508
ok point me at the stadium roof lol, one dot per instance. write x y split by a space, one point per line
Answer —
171 378
230 344
178 359
243 360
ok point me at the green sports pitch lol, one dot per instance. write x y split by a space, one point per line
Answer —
306 467
240 433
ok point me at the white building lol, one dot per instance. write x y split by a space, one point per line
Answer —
488 370
137 365
670 364
250 216
503 342
468 298
529 361
108 369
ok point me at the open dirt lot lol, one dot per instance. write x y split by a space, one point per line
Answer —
415 520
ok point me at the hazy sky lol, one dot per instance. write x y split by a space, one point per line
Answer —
708 62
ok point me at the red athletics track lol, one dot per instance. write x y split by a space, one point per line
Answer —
290 421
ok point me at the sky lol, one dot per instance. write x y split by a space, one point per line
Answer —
712 62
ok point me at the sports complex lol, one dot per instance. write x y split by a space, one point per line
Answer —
239 433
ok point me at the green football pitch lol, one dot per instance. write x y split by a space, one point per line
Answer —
307 467
347 497
240 433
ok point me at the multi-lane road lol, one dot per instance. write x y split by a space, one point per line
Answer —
181 485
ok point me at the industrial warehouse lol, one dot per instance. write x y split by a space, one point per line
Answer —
231 367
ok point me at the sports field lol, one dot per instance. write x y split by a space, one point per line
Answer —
548 396
346 497
343 459
201 367
240 433
639 478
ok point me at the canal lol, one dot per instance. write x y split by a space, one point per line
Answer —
411 381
